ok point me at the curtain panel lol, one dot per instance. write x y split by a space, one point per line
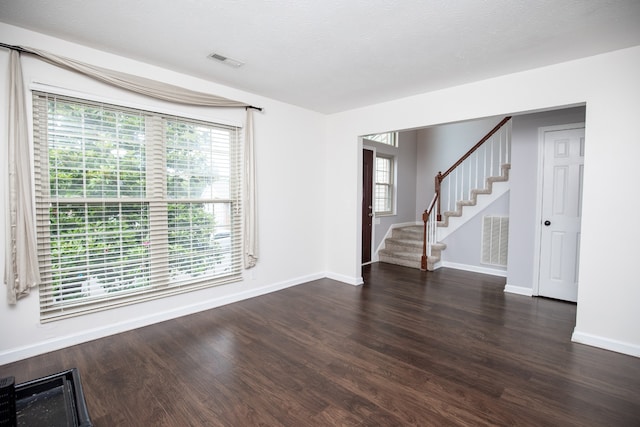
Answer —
21 263
21 259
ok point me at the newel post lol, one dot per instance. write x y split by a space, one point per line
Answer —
423 261
438 182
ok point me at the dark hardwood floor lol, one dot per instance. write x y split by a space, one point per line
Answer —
407 348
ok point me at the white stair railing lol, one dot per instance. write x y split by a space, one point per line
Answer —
470 173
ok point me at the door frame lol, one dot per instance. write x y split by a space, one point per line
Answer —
373 180
538 222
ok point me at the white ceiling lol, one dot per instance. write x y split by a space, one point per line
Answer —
334 55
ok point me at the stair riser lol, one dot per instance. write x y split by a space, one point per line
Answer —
411 234
412 256
401 247
409 263
400 261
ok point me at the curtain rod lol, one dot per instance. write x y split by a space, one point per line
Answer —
18 48
23 50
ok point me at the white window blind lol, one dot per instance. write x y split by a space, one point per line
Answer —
131 205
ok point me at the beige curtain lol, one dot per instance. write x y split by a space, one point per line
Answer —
137 84
21 271
250 211
21 259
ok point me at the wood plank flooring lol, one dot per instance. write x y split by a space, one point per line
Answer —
407 348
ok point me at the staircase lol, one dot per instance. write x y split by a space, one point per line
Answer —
486 163
404 247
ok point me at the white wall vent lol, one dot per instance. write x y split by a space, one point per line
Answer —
225 60
495 237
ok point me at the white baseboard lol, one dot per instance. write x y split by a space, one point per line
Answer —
19 353
520 290
606 343
474 268
354 281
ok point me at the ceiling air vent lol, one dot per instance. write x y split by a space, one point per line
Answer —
226 60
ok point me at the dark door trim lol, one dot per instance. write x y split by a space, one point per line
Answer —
367 203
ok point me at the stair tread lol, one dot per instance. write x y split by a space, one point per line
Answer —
400 253
408 230
406 256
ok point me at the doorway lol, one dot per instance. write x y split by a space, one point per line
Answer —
561 211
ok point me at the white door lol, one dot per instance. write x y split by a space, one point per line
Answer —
563 162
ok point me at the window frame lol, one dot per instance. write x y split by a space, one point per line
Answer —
49 309
387 138
389 185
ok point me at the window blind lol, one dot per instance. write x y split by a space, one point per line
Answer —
131 205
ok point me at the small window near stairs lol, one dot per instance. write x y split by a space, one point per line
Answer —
383 199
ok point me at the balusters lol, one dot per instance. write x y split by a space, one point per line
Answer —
449 194
492 157
508 144
477 154
459 186
499 150
461 182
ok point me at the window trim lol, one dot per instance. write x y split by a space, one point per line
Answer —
392 140
133 101
90 305
390 185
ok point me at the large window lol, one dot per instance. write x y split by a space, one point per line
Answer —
384 185
131 205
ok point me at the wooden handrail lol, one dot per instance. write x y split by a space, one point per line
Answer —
428 211
441 176
474 148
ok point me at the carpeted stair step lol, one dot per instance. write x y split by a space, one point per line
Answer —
412 232
407 259
403 245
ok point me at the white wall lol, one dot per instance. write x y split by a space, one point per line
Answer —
291 172
608 314
464 245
